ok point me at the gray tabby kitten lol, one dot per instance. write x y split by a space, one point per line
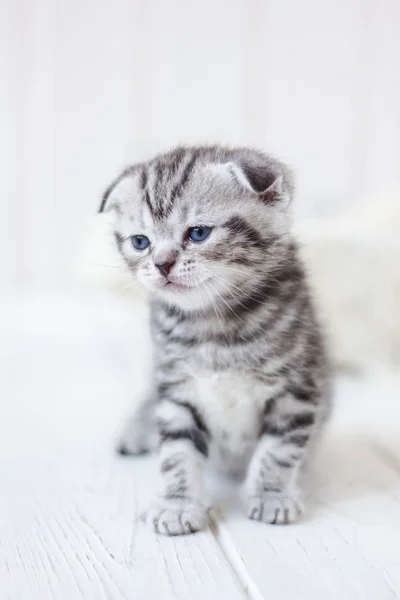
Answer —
240 370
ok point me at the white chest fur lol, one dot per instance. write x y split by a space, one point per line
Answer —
230 403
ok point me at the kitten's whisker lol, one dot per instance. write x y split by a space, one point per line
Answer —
200 298
244 273
225 282
236 296
235 270
225 302
214 306
226 285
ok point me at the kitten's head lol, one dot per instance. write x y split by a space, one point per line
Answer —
199 226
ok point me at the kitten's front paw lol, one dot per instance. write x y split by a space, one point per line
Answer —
274 508
177 516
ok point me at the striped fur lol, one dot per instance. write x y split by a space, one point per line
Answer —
240 370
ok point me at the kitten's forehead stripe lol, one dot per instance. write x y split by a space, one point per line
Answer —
180 185
161 175
144 189
151 198
164 171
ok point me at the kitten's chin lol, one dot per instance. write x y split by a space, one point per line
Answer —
184 297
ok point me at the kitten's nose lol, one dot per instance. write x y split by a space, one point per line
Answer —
165 268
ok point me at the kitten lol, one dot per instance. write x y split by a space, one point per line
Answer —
240 370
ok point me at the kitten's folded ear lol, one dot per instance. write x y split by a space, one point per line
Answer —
274 192
267 177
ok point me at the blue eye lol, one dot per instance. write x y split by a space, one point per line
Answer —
199 233
140 242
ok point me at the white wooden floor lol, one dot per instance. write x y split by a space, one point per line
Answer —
69 508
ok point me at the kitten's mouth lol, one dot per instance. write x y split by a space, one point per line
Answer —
173 285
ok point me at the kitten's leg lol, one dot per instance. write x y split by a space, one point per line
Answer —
140 434
272 487
182 505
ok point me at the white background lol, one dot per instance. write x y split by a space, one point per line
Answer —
88 86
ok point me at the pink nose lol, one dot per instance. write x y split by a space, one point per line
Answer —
165 268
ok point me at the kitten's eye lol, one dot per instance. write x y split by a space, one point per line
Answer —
199 233
140 242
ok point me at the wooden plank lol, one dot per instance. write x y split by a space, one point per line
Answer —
70 528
